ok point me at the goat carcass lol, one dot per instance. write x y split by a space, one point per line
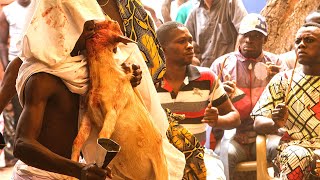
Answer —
114 108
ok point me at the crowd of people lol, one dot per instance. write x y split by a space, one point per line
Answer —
207 67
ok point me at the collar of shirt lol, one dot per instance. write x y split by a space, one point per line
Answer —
192 74
240 57
202 4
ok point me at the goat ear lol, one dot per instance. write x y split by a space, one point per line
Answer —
125 40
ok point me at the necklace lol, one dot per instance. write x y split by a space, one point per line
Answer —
101 5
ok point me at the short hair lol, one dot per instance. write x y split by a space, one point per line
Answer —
164 31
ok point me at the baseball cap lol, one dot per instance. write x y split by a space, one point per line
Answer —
253 22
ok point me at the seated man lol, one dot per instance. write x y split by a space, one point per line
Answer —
291 102
248 69
290 57
191 90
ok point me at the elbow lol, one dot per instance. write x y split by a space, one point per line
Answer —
237 117
18 149
258 126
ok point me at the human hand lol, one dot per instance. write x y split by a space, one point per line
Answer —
229 85
136 74
211 115
93 172
272 69
280 115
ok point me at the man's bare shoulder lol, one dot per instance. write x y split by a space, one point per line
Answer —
3 18
43 85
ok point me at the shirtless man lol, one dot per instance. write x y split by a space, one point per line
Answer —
49 120
38 141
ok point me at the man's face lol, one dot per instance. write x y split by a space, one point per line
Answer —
179 50
307 45
251 44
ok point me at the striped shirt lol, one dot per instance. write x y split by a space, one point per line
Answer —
193 97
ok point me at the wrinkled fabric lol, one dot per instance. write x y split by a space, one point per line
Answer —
54 28
301 139
21 171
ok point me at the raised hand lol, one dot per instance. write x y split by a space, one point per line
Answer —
211 115
272 69
280 115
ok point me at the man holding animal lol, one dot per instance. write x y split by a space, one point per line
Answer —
51 108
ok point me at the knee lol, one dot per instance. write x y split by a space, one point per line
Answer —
298 154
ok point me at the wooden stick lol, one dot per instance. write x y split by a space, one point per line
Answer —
218 79
289 87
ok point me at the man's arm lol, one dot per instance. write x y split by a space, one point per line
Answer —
156 20
265 125
4 37
224 116
7 87
39 89
165 10
29 127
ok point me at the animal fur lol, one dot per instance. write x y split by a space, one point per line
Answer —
114 107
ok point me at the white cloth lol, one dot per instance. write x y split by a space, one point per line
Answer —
214 165
48 38
21 171
54 28
175 158
14 14
73 73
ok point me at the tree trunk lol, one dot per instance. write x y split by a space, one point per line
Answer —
284 18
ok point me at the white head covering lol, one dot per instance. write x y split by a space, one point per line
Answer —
51 32
54 28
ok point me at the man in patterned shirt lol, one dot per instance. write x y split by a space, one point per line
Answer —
291 102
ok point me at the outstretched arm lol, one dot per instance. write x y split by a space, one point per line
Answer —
165 10
7 87
4 37
156 20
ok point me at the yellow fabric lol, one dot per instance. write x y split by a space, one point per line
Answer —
140 28
187 143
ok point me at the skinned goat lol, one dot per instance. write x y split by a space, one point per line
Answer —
114 108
